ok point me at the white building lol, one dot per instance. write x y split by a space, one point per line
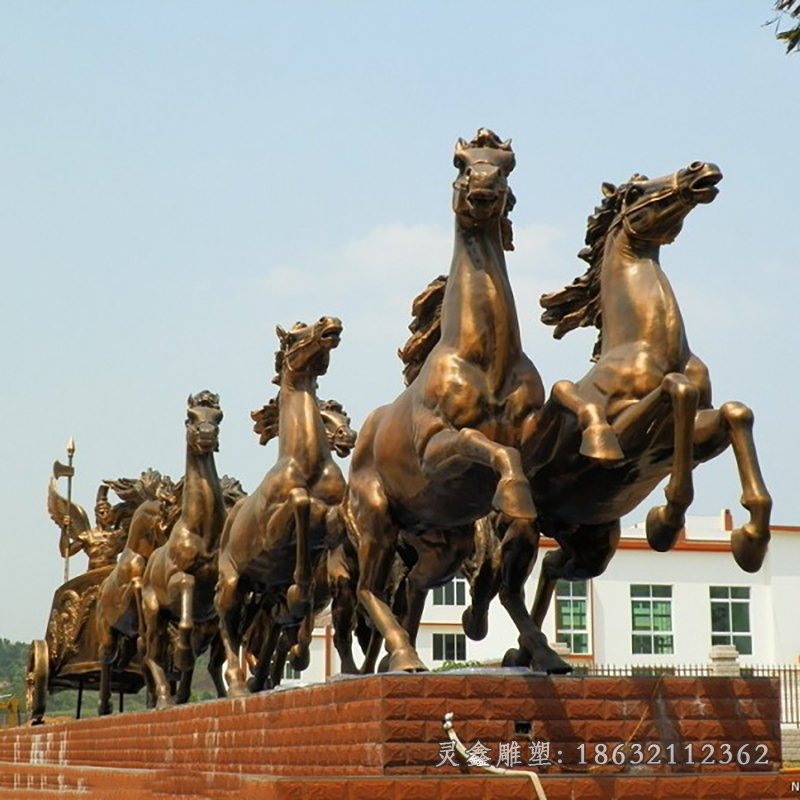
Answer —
648 608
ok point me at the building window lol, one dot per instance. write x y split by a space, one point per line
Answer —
651 620
449 647
730 617
572 619
290 673
453 593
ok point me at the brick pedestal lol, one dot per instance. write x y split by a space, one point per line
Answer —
598 731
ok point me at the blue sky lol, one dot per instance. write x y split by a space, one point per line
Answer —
179 178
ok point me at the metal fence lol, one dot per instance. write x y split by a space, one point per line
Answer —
788 674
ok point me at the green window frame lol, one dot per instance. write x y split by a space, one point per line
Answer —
449 647
572 615
730 617
453 593
651 619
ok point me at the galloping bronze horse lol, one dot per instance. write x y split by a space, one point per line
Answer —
647 387
443 454
180 576
274 538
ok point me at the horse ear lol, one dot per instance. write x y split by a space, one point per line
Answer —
607 189
189 400
281 333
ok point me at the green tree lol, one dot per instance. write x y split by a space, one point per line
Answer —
788 10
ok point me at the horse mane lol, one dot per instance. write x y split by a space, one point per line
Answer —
205 398
425 327
266 418
332 405
232 490
578 305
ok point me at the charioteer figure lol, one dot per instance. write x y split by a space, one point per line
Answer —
102 542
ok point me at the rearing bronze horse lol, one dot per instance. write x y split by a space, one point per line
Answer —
647 388
443 454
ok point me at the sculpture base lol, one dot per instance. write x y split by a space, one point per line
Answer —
605 737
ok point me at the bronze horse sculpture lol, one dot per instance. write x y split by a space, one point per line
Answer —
648 390
444 453
274 538
267 642
180 576
117 614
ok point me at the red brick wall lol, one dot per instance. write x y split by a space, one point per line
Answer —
391 725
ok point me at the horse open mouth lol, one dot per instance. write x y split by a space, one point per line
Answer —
704 189
332 334
344 447
482 202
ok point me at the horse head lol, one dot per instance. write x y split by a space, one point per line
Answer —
480 192
203 417
305 349
653 210
341 437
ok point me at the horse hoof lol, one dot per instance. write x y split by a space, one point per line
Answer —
164 702
599 442
299 657
748 548
513 498
662 533
383 665
298 602
476 627
237 690
515 658
254 686
406 660
551 663
183 659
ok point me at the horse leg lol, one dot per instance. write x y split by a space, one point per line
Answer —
105 657
278 660
216 658
377 538
372 651
518 553
451 451
299 595
182 584
664 523
484 581
300 651
598 544
184 686
258 680
154 649
733 424
598 440
343 608
227 601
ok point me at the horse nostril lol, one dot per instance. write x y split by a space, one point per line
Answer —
695 165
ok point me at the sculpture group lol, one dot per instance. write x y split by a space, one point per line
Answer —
463 472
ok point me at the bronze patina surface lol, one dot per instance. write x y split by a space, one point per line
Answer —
274 538
180 576
443 454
